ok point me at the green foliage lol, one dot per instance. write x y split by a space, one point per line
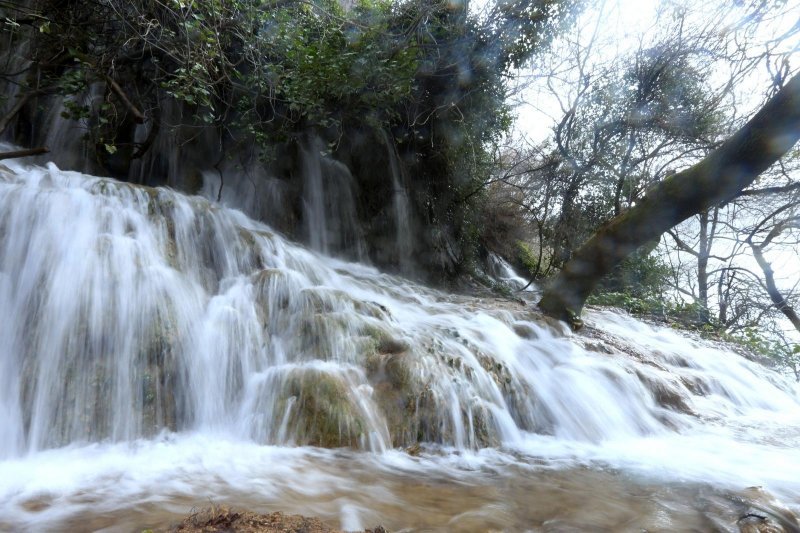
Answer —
527 256
639 285
270 69
679 314
423 75
775 349
639 306
642 275
323 69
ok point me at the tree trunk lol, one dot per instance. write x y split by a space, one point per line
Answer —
702 266
715 180
15 109
774 293
564 228
723 289
708 231
24 153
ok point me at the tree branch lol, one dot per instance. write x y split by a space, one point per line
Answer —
138 116
770 190
24 153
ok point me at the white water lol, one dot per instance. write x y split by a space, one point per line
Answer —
501 270
329 210
160 351
404 241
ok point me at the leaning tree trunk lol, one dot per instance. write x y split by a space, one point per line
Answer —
715 180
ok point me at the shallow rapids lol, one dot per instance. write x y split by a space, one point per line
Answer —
161 352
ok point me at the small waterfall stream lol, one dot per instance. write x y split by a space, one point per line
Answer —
160 350
329 203
501 270
401 205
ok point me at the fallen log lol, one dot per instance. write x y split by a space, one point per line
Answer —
24 153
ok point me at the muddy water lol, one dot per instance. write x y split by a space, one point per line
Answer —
156 484
483 492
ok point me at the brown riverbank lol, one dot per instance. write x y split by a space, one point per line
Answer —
223 519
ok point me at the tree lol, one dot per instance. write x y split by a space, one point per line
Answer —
624 122
775 227
715 180
247 84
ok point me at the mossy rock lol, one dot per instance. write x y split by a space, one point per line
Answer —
158 376
324 411
413 408
372 309
90 370
696 384
385 341
267 283
324 300
324 336
526 331
396 392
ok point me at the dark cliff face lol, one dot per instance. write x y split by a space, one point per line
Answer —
359 180
365 189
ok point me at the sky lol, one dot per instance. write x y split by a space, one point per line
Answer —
619 26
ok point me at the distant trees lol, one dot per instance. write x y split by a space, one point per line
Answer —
624 123
627 123
715 180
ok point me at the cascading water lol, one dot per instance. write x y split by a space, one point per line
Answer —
501 270
329 211
159 350
404 241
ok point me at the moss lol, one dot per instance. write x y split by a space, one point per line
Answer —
319 334
484 436
320 300
385 342
157 370
499 371
395 391
267 283
324 412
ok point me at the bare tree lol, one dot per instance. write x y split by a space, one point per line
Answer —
717 179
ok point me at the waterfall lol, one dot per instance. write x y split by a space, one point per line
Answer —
329 208
404 243
158 346
502 271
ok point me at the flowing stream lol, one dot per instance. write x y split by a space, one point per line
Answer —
160 352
